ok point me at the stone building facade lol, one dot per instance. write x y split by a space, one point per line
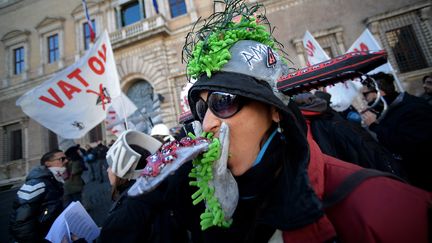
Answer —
39 38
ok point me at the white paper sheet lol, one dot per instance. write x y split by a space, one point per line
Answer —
73 220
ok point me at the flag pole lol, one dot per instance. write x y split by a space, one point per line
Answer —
89 23
124 112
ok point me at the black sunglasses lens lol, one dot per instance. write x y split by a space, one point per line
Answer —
201 109
223 105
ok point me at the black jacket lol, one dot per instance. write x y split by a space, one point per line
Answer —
350 142
38 203
406 129
344 139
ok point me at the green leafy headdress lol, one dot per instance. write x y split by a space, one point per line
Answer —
207 49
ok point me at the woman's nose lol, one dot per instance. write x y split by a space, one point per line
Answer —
211 122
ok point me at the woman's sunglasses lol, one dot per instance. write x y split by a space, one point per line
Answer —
222 105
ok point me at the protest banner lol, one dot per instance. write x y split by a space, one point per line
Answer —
76 99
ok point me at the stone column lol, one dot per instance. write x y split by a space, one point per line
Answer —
118 16
300 52
340 42
24 126
3 153
143 14
190 7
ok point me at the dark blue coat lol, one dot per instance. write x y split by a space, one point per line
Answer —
38 203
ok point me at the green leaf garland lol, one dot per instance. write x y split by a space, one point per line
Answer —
206 50
202 173
210 56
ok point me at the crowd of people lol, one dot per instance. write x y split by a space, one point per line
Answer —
404 128
304 173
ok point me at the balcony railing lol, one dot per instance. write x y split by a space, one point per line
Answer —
140 30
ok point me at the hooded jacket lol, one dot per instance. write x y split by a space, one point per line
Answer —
406 130
38 203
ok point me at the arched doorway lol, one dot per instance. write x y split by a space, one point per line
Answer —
142 95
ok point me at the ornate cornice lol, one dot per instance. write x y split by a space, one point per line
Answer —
49 21
390 14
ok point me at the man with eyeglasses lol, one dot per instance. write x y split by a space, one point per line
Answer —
404 128
40 199
370 94
427 86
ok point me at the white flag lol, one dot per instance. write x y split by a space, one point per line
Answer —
342 94
76 99
122 107
367 42
118 129
315 54
185 111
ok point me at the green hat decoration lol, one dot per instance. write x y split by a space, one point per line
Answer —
207 49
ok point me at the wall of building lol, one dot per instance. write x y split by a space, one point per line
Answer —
154 54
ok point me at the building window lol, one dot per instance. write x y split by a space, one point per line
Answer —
406 49
130 13
328 51
18 60
14 144
53 48
16 46
405 34
95 135
52 140
177 8
86 31
330 42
